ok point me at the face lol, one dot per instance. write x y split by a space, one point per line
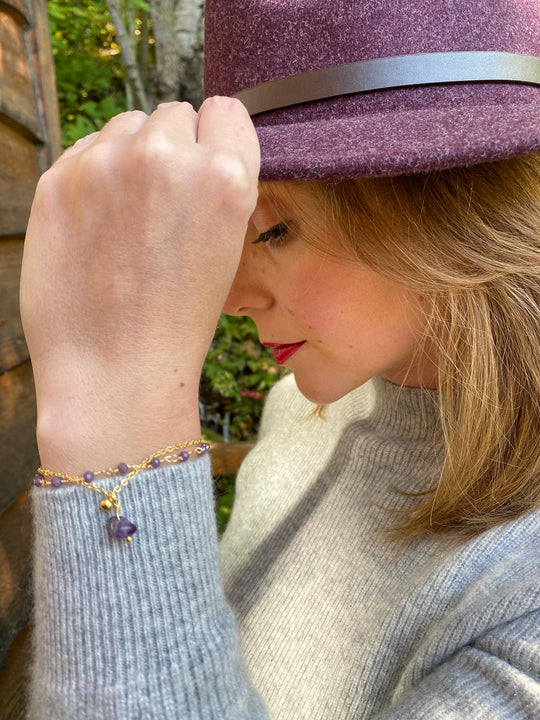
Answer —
330 319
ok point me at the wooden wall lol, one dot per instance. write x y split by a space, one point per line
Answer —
29 142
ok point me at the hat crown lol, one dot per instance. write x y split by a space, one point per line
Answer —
384 129
251 41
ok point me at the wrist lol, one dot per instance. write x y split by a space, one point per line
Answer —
84 433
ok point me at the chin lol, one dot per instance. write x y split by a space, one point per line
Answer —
323 392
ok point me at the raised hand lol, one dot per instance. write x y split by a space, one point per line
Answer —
133 242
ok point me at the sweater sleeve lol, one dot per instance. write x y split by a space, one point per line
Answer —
136 630
497 677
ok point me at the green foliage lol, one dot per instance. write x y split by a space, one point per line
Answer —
224 488
237 375
89 75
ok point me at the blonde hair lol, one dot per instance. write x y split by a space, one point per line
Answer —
468 240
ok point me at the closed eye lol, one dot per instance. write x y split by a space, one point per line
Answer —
274 236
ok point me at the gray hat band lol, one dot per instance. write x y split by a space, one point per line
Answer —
391 72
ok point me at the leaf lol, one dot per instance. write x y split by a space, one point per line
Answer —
55 12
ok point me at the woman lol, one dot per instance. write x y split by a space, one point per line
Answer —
397 574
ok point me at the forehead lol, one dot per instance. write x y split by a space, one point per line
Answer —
289 198
265 214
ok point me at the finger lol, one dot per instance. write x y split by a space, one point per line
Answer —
79 145
177 121
124 123
225 127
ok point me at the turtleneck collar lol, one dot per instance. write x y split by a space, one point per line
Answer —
408 413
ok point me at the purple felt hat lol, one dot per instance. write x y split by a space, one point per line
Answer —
351 88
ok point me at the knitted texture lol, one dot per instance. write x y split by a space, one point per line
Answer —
335 622
134 631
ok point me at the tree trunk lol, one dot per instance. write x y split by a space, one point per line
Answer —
128 57
190 37
143 46
178 34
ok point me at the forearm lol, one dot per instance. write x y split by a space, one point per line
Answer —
134 239
141 629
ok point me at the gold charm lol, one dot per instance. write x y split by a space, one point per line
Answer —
108 503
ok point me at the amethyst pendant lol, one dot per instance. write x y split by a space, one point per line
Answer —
121 528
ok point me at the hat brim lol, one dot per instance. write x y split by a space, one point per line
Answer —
379 142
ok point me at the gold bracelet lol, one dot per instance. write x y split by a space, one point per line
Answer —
119 526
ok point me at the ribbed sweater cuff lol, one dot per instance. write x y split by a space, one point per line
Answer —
140 629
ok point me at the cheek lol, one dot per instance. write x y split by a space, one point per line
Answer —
308 303
351 302
359 312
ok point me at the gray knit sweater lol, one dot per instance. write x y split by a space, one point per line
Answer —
334 621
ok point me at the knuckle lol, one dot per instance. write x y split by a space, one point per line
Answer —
236 104
92 163
225 102
153 149
167 105
49 185
237 189
128 115
175 105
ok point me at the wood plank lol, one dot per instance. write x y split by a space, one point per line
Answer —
18 9
13 350
43 73
20 172
17 98
15 572
28 114
18 450
226 457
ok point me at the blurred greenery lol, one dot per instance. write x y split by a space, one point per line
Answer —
238 372
89 76
237 375
224 490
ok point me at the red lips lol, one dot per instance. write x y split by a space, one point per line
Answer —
283 352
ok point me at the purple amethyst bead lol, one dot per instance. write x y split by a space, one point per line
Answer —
155 462
88 476
121 528
184 455
123 468
56 481
38 479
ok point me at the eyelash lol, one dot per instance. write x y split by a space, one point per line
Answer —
274 236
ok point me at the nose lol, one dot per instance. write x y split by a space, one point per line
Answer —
250 292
